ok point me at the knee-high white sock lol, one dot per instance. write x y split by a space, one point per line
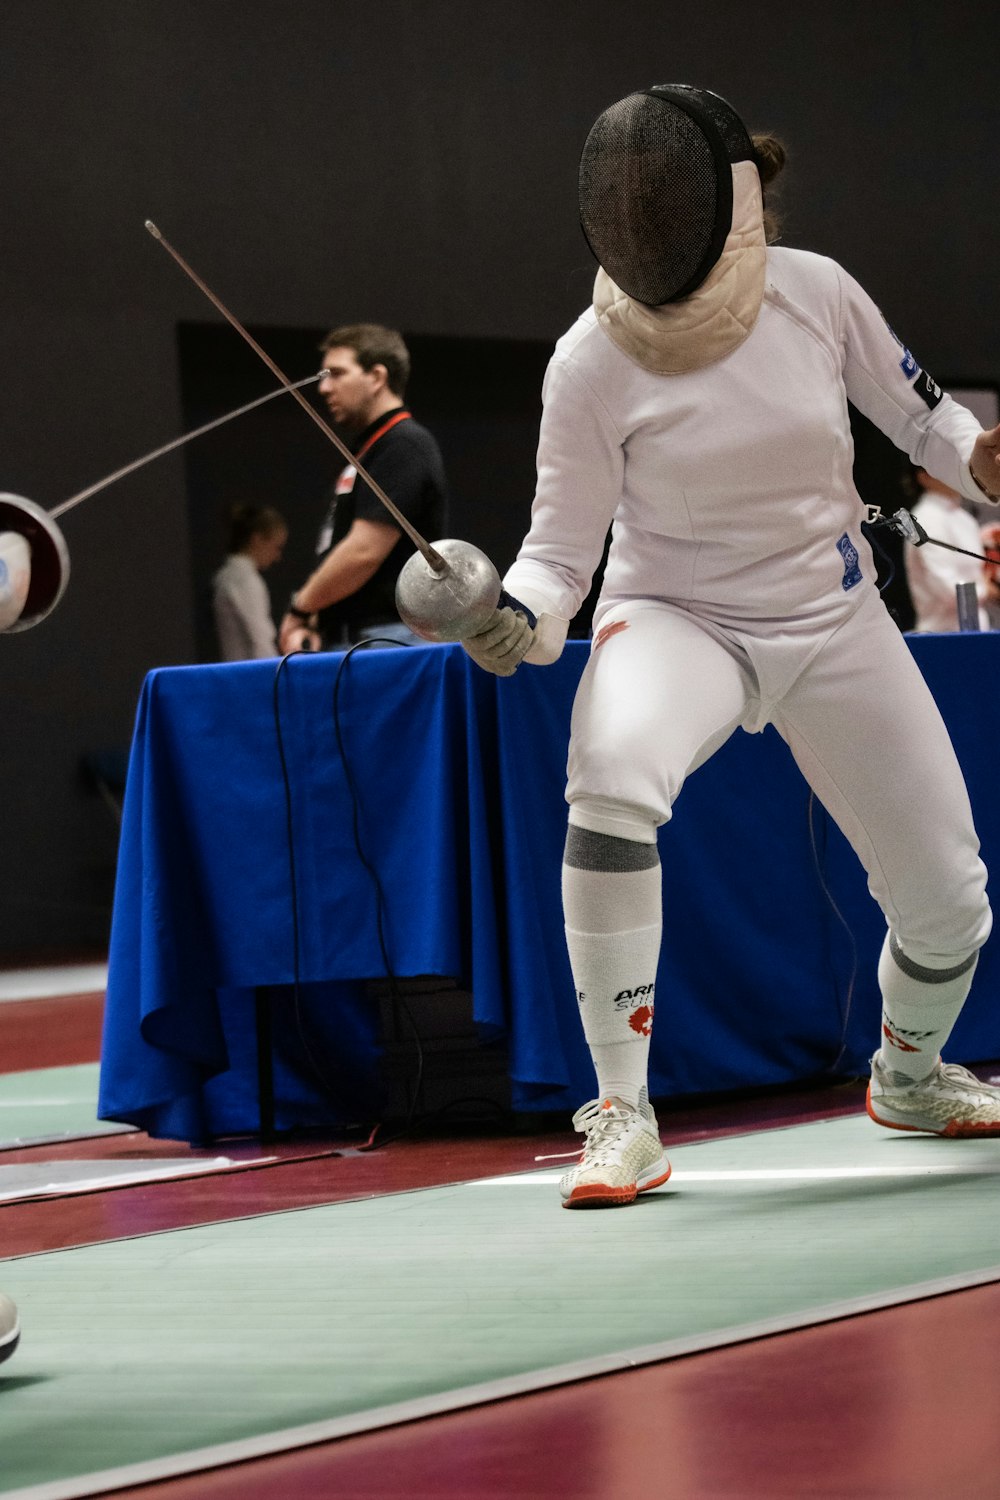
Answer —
919 1008
612 905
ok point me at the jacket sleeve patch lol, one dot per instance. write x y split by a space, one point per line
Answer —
928 389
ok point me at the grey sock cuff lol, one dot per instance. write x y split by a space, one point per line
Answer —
600 851
929 976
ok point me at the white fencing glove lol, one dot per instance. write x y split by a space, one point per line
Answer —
502 642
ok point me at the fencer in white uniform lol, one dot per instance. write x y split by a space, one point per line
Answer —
699 408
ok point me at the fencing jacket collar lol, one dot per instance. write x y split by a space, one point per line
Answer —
712 321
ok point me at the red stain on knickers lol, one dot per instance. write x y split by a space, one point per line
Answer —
608 631
641 1020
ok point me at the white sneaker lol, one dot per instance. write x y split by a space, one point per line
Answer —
952 1101
10 1328
622 1155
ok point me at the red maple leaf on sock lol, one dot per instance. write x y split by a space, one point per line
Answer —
897 1041
641 1020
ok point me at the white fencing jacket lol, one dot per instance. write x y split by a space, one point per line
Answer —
729 488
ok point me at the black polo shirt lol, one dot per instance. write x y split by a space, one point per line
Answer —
406 461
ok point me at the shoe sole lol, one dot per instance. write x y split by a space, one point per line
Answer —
599 1195
954 1130
7 1349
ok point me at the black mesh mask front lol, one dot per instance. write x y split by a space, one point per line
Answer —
656 191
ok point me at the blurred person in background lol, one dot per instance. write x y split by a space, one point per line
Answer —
241 602
932 572
990 538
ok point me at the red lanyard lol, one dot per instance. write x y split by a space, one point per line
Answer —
398 416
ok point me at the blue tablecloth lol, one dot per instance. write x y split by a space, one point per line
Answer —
460 816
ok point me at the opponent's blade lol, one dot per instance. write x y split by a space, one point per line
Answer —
178 442
422 545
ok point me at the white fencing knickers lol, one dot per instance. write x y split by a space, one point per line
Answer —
664 688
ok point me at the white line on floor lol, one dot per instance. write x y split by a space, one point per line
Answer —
43 984
774 1174
34 1103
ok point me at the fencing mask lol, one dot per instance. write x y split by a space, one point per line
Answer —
656 189
670 203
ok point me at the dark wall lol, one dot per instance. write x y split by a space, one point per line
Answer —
480 397
414 163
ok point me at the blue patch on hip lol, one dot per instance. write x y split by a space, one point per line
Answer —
848 551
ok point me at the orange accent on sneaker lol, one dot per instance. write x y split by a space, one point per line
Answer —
600 1195
889 1124
954 1130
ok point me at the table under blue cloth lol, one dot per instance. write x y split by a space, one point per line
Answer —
438 816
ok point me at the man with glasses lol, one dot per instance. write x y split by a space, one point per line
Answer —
350 595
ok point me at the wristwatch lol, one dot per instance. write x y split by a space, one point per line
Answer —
307 616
